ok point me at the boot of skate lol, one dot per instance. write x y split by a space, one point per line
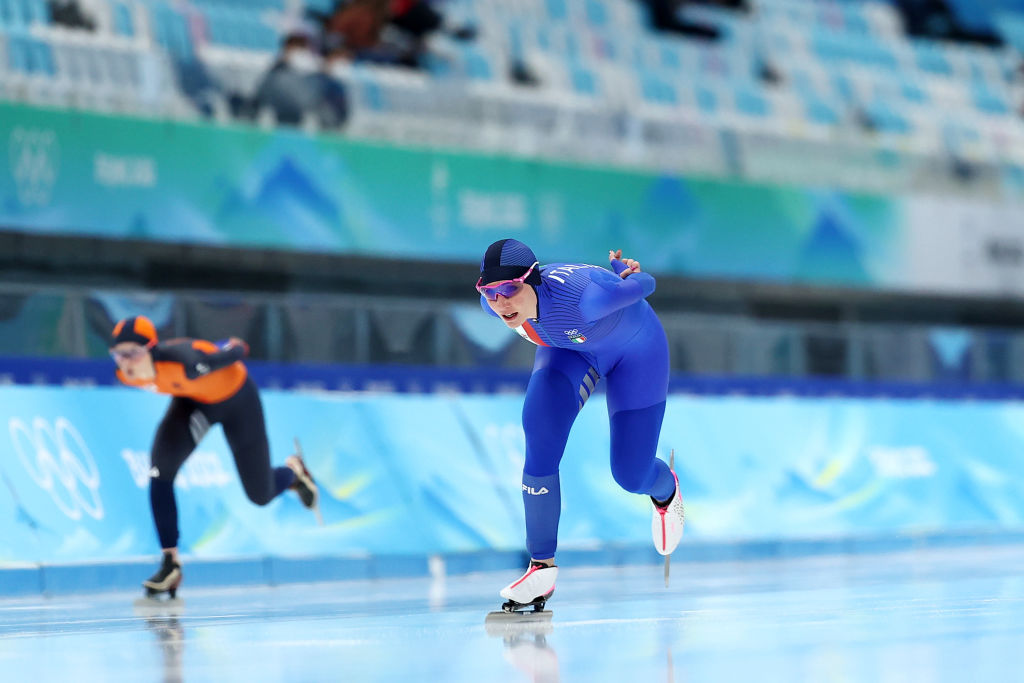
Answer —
537 583
667 522
166 579
304 485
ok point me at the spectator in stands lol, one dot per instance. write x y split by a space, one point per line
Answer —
296 87
68 13
332 108
936 19
386 31
666 15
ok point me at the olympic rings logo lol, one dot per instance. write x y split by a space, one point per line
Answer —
58 460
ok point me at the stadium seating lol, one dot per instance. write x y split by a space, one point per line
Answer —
788 69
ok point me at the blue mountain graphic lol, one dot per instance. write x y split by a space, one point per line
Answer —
668 194
831 254
288 203
289 183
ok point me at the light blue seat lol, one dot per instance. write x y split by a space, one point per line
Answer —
515 33
260 36
438 67
886 119
670 57
371 93
42 57
30 56
988 101
477 65
18 53
597 13
658 91
854 20
584 81
826 46
707 100
818 111
930 57
123 25
843 86
37 11
172 32
750 101
912 92
557 10
803 84
10 15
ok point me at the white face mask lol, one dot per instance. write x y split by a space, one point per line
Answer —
339 68
302 60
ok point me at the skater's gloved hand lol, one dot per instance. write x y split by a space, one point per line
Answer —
235 341
622 267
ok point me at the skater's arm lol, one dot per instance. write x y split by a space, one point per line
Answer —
232 352
202 357
604 296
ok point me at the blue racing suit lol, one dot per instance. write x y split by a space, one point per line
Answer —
592 324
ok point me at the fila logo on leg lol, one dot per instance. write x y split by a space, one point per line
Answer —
535 492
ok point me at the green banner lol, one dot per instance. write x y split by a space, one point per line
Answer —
90 174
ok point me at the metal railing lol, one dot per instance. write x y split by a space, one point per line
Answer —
361 330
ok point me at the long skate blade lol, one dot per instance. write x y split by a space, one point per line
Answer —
507 623
671 466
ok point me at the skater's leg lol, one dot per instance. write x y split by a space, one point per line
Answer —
180 430
634 442
554 397
241 417
637 388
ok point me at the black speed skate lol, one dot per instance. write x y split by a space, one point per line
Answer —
166 580
304 486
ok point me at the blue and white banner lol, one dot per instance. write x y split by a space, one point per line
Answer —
429 474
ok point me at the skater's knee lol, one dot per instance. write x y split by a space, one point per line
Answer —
260 497
631 479
259 492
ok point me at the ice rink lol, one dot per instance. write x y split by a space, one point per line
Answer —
932 615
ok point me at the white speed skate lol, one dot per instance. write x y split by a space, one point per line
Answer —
532 589
667 522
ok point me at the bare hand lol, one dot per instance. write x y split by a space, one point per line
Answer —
632 265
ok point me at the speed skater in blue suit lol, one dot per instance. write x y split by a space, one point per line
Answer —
589 324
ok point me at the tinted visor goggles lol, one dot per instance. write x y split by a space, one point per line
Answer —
505 288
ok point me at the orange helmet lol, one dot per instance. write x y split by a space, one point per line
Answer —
138 329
